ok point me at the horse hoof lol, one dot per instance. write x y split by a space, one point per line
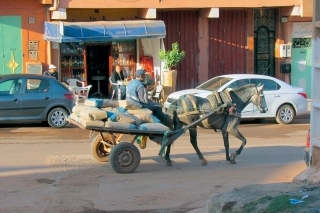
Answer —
233 156
204 162
169 163
233 161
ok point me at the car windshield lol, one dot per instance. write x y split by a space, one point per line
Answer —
214 83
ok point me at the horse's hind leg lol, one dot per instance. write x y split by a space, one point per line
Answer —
177 125
225 136
193 140
167 155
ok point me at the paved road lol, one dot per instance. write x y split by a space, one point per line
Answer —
51 170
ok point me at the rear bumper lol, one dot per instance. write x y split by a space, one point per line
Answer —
302 108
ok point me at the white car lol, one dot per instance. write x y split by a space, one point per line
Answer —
284 101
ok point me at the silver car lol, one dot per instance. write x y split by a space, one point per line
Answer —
283 100
34 98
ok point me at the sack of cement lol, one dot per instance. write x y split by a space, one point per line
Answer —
140 111
129 104
145 118
93 114
118 125
85 122
95 102
107 108
76 109
153 127
119 110
123 118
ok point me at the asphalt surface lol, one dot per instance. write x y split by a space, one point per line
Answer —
51 170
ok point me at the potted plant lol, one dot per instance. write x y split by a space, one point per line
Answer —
171 59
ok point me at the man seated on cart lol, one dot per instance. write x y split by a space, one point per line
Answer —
136 91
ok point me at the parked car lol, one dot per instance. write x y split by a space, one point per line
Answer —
34 98
283 100
306 151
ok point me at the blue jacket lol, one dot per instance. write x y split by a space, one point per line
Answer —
132 90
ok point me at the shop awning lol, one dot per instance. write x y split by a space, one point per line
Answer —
100 31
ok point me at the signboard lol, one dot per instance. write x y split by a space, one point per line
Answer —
302 30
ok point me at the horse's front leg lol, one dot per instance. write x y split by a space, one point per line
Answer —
193 140
167 155
238 135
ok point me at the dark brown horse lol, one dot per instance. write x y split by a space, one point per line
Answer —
228 106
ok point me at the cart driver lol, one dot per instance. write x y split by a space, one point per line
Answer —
137 92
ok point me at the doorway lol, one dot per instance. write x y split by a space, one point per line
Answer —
11 60
264 41
98 65
301 64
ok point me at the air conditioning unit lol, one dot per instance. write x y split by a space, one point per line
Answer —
34 68
285 68
285 50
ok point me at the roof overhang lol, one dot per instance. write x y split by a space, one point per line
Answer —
103 31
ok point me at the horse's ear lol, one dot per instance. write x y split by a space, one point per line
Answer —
260 87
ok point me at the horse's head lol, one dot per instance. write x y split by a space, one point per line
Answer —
258 99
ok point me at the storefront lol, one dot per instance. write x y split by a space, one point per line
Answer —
90 51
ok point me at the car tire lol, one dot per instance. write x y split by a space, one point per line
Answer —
57 117
285 114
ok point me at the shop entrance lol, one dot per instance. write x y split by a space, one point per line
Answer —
98 68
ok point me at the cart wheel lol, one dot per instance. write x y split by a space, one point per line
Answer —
99 150
124 158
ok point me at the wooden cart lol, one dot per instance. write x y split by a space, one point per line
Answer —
124 157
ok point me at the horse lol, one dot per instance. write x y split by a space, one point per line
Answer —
228 106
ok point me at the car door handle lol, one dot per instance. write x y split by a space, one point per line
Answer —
46 98
276 96
16 99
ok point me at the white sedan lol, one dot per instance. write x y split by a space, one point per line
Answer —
284 101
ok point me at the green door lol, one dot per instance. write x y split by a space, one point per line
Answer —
301 64
10 45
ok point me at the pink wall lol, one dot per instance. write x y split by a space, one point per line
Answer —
203 50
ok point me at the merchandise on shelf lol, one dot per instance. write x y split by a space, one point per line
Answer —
72 61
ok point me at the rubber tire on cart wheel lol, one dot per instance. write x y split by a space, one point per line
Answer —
124 158
101 151
285 114
57 117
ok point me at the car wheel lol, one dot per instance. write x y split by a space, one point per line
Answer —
57 117
285 114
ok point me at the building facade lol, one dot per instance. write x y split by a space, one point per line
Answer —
85 39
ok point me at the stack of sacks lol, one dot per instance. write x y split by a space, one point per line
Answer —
120 114
100 103
141 119
88 116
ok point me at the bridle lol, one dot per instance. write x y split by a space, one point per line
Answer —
257 97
